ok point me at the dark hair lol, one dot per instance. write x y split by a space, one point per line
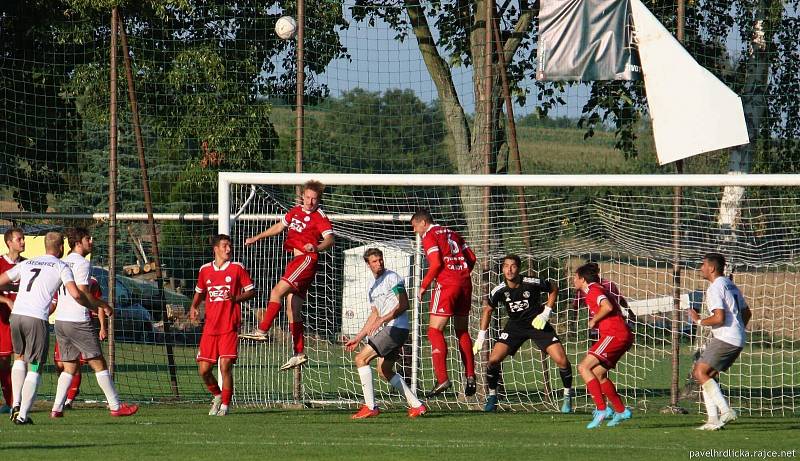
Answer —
593 266
422 214
10 233
372 252
218 238
716 260
316 186
515 258
74 236
588 272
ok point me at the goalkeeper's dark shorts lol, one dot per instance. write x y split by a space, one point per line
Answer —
514 336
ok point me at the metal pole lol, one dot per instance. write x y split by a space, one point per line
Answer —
297 390
676 262
415 337
512 129
112 187
148 203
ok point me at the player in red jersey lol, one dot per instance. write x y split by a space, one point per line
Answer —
225 284
613 290
615 339
450 262
99 320
15 241
309 232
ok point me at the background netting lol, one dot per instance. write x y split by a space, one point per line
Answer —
215 91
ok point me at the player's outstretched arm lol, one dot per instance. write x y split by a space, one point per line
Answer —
273 230
486 317
89 302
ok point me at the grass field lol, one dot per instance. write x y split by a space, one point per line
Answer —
186 432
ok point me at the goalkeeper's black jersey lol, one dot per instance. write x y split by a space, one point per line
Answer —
522 303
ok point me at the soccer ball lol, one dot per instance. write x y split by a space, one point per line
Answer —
285 27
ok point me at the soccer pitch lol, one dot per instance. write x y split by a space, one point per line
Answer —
186 432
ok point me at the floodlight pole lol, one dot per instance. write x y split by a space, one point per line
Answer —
112 186
297 388
148 203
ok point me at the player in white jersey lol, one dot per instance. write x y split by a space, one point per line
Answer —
39 279
728 319
76 335
386 330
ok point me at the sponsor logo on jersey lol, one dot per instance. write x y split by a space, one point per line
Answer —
297 225
218 293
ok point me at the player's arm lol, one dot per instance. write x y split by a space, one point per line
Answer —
716 318
469 257
89 302
541 320
7 301
604 309
486 317
402 306
5 282
434 268
369 325
101 317
273 230
193 312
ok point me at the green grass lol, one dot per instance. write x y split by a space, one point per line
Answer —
185 432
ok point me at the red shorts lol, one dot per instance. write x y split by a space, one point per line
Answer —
300 272
6 348
451 300
214 347
609 349
57 355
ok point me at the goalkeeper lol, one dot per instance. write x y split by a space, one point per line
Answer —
527 319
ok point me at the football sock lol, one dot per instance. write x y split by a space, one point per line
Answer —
226 396
365 373
399 383
64 382
438 354
75 388
298 342
712 387
493 376
711 408
214 389
465 348
595 390
610 391
5 382
18 373
273 308
28 393
566 376
107 385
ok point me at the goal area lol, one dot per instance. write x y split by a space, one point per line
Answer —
631 225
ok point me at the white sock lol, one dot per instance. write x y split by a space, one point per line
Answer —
365 373
64 381
18 372
29 389
399 383
107 385
567 391
711 408
492 391
712 387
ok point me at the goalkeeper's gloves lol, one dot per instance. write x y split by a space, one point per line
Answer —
541 320
479 342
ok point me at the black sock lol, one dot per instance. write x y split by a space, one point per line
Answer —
566 376
493 376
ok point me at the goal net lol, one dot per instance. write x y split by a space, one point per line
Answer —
555 223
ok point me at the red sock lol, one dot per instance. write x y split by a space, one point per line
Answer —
438 354
214 389
465 348
273 308
593 387
226 396
610 391
75 387
298 331
5 382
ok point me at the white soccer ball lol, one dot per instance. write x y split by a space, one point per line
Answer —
286 27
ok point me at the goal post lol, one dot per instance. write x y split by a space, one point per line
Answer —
626 226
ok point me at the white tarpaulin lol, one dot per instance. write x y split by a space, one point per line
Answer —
692 111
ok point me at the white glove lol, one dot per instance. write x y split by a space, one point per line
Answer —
541 320
479 341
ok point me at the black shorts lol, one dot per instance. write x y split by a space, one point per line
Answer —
514 335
